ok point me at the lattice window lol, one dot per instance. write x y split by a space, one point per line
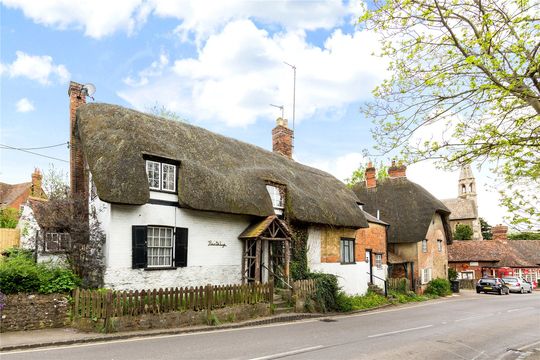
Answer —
160 246
56 242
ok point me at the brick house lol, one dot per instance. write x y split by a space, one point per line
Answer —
419 231
15 195
183 206
500 257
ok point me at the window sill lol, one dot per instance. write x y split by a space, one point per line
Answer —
159 268
348 263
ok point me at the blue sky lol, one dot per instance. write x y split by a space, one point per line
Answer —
217 64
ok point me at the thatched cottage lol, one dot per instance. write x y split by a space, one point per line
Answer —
181 205
420 230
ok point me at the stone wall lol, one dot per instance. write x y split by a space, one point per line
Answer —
30 312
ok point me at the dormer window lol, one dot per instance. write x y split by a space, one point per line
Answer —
277 199
161 176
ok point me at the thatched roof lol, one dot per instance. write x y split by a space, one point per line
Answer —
406 206
53 214
216 173
461 209
510 253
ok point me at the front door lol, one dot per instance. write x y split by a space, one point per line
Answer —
368 262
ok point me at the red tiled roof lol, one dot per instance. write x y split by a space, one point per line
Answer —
9 192
511 253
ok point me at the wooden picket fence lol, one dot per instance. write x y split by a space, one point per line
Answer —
304 288
104 304
399 284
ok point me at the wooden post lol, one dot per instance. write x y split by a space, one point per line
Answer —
244 260
287 259
258 261
76 293
108 311
208 304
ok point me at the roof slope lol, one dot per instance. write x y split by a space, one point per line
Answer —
9 193
461 208
511 253
216 173
406 206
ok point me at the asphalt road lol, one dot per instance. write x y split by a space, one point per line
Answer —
470 326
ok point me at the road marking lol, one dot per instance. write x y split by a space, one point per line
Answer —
474 317
400 331
288 353
478 356
518 309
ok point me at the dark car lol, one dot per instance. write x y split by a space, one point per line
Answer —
495 285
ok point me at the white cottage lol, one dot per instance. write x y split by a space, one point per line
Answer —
183 206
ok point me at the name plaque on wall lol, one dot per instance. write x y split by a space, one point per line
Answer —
216 243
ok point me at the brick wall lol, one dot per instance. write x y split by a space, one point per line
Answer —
373 238
282 138
78 178
30 312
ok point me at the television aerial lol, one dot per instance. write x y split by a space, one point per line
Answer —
88 89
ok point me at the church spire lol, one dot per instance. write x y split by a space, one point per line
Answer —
467 183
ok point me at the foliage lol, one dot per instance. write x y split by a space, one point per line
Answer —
452 274
298 264
463 232
9 218
164 112
526 235
19 273
404 297
486 230
469 70
350 303
327 291
55 183
359 175
438 287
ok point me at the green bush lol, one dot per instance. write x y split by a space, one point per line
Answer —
452 274
406 297
438 287
9 218
327 291
463 232
19 273
370 300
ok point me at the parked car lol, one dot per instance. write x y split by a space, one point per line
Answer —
495 285
517 284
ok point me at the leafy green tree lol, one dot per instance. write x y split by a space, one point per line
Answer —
463 232
526 235
486 229
359 175
470 70
9 218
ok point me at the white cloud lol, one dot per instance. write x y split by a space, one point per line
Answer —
341 167
35 67
240 71
24 105
98 18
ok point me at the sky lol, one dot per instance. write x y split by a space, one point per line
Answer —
217 64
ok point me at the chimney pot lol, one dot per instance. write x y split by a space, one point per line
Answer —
396 171
282 138
370 175
500 232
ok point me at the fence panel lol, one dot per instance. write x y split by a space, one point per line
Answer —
399 284
467 284
9 238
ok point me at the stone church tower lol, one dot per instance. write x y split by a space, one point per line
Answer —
464 208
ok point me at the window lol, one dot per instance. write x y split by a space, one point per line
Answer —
347 251
426 275
466 275
55 242
277 199
378 261
439 245
161 176
424 245
159 247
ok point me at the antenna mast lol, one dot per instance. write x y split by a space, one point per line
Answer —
280 107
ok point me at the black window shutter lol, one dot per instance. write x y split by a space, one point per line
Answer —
138 249
181 247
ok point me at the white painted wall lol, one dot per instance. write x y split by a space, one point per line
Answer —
353 278
206 264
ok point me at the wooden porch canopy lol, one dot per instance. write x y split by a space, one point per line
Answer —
265 232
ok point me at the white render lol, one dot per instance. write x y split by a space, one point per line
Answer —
353 278
205 264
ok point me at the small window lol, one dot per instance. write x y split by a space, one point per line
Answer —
161 176
347 251
378 261
426 275
160 246
439 245
424 245
277 199
55 242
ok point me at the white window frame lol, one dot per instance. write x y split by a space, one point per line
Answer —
424 246
152 163
155 252
426 275
61 240
278 202
349 256
468 274
378 261
439 245
165 183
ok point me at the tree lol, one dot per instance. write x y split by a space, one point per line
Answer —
359 175
9 218
164 112
463 232
470 70
527 235
486 229
55 183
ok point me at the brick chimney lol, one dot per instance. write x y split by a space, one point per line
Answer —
77 173
396 171
371 176
282 138
500 232
36 184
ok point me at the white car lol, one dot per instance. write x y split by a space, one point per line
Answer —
517 284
